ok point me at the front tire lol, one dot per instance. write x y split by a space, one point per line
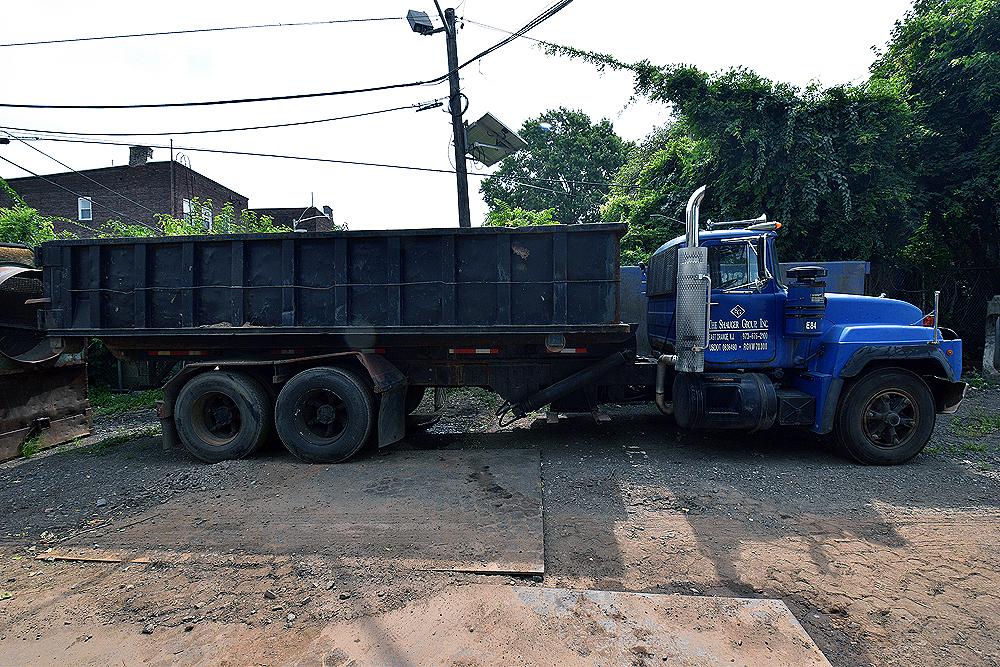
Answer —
886 417
325 415
221 415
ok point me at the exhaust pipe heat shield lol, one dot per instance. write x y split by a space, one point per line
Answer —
693 289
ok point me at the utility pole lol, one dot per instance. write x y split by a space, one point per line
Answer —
422 25
455 106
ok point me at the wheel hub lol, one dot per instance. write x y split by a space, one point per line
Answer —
322 414
325 414
222 416
890 418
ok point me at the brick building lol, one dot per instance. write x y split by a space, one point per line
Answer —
140 190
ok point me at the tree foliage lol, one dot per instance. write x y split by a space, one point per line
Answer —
904 167
503 214
944 57
224 221
833 164
563 146
22 224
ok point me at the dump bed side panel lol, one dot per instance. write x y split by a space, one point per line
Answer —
483 277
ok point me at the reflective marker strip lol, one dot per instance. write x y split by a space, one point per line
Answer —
473 350
570 350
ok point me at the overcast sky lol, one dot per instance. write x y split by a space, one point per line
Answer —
794 41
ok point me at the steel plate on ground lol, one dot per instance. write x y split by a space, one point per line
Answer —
463 511
513 625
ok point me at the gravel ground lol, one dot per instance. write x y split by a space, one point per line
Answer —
883 566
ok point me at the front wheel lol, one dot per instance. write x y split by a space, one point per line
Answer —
886 417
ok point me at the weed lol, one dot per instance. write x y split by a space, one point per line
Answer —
976 380
31 446
976 425
104 402
104 446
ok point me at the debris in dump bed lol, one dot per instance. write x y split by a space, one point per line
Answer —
101 502
344 596
148 629
270 595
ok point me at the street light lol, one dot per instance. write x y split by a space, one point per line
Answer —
420 23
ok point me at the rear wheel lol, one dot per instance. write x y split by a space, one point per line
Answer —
886 418
222 415
324 415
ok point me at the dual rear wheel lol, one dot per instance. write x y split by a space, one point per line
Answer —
321 415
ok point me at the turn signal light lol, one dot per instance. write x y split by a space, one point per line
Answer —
928 320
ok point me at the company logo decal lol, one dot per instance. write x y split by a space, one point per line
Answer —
738 311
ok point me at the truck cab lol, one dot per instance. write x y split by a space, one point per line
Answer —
873 371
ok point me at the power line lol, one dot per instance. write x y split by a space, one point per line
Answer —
496 29
420 106
200 30
546 14
79 196
305 158
63 164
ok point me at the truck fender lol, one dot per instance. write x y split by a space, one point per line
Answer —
388 383
948 391
863 356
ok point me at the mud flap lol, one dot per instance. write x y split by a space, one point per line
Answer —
392 415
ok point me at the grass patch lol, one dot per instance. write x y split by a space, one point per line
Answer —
976 380
976 425
104 402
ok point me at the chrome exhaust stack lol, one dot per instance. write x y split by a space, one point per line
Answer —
694 286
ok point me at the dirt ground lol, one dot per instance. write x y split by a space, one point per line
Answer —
881 566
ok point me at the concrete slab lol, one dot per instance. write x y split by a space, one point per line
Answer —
514 625
464 511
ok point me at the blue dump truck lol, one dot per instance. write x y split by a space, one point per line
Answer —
330 340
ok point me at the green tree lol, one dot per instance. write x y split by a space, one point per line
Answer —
504 215
833 164
944 57
563 146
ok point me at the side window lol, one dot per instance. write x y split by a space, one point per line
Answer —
733 265
84 208
662 277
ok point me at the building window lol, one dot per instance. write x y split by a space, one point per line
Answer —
186 209
84 209
206 216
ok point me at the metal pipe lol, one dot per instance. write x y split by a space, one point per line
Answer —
662 362
691 217
937 324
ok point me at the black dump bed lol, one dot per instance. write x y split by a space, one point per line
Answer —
445 282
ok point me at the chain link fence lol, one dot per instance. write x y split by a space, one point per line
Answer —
964 295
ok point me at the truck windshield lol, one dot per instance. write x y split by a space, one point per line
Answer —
733 265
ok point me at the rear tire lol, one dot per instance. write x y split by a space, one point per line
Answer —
325 415
886 417
221 415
